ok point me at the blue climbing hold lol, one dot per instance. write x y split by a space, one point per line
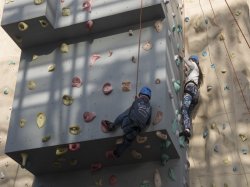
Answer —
187 19
204 53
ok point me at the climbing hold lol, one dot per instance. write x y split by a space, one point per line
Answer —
34 57
174 126
209 88
243 137
173 28
136 155
133 59
22 26
61 151
226 87
64 48
98 183
107 88
213 66
147 45
237 13
222 37
166 1
169 33
157 81
179 29
244 150
204 53
119 141
177 85
74 146
171 174
216 148
5 91
94 58
157 178
65 11
226 161
38 2
147 146
87 5
177 60
165 144
130 33
110 53
182 141
24 157
2 175
73 162
46 138
186 19
67 100
51 67
31 85
96 167
89 25
161 135
170 94
205 133
75 129
9 1
112 180
158 117
43 23
89 116
235 169
141 139
40 119
173 14
11 63
76 82
164 159
18 39
158 26
145 183
22 122
213 126
206 20
223 71
126 86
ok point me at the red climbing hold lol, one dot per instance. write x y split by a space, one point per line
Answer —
74 146
95 166
76 82
89 116
107 88
89 25
110 155
87 5
106 126
94 58
112 180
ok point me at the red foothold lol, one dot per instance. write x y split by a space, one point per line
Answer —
107 88
74 146
89 116
112 180
89 25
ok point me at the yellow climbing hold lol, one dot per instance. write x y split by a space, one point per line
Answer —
51 67
45 138
40 119
221 37
67 100
38 2
75 130
31 85
64 48
141 139
61 151
136 155
43 23
34 57
22 122
65 11
22 26
243 137
119 141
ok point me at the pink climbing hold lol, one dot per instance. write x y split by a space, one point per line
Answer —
87 5
76 82
74 146
89 116
94 58
95 166
112 180
107 88
89 25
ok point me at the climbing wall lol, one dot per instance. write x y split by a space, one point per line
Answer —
66 78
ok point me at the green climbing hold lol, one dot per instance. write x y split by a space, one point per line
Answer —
145 183
165 144
177 85
173 28
182 141
6 91
171 174
179 29
164 159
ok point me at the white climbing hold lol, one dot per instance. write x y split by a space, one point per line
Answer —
24 157
147 46
64 48
22 26
158 26
51 67
34 57
166 1
136 155
130 33
43 23
209 88
161 135
157 178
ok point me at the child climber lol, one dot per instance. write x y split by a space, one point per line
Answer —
132 121
193 80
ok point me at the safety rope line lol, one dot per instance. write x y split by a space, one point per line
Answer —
241 90
237 23
236 146
139 49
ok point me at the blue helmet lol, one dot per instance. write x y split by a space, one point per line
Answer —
146 91
194 58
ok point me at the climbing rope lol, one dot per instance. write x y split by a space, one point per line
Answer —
220 87
139 49
241 90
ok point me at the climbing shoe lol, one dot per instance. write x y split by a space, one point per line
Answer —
106 126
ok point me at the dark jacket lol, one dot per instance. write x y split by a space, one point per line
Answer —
140 112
